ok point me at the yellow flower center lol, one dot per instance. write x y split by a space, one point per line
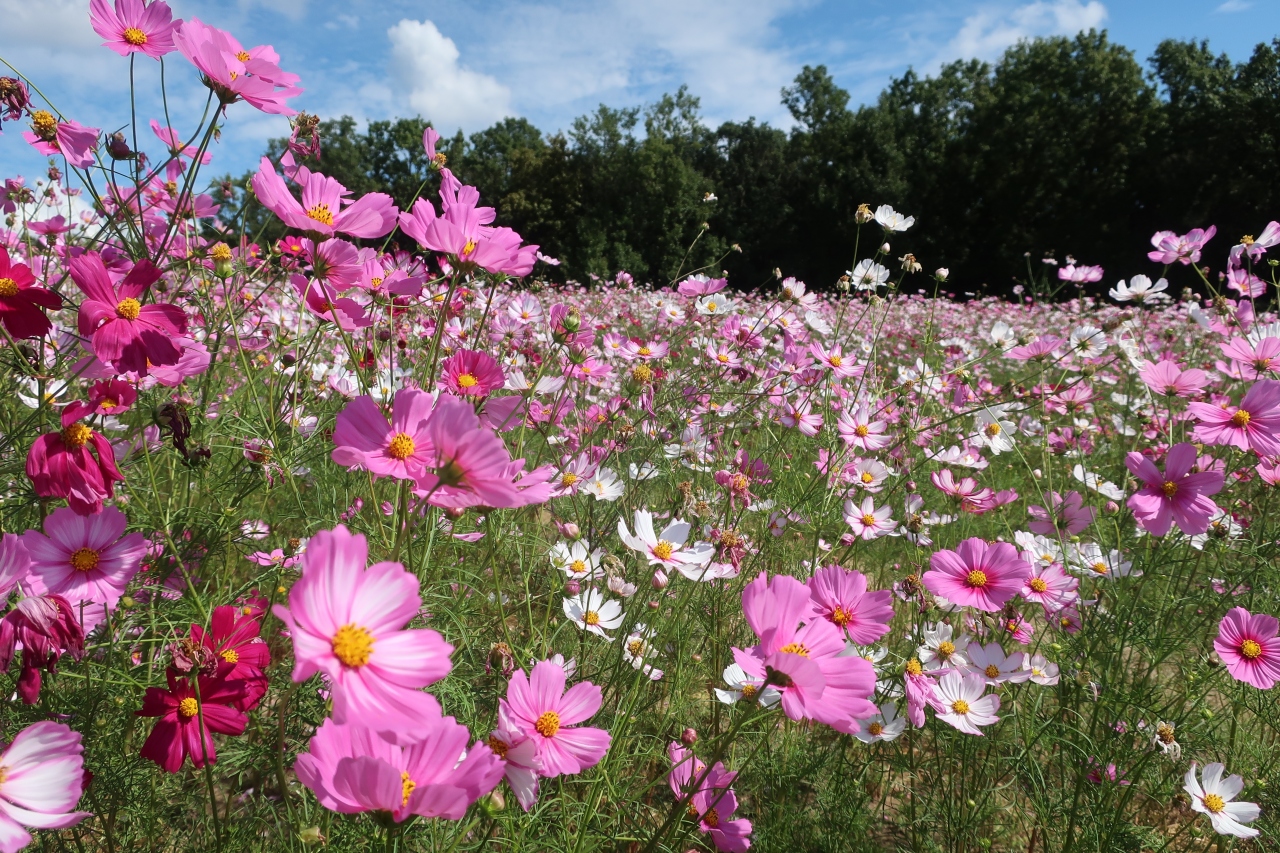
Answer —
1241 418
645 351
1214 803
1169 488
861 431
711 819
841 617
946 649
991 671
875 729
642 373
1164 732
1038 585
84 560
189 707
976 579
321 213
134 36
748 691
577 567
835 361
128 309
230 655
1251 649
868 477
1101 567
868 520
401 446
992 429
353 645
406 786
568 479
663 550
243 56
469 247
711 306
795 649
8 287
722 358
44 125
108 404
960 706
636 648
220 252
498 747
1247 240
592 618
76 435
466 380
548 724
914 668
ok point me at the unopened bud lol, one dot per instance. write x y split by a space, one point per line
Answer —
941 273
572 587
660 579
688 737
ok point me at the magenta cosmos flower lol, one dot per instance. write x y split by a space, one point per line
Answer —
462 231
401 449
21 300
187 721
348 622
840 596
977 575
1253 425
1177 495
469 373
710 798
800 654
42 782
133 26
60 465
45 628
539 708
1248 645
325 208
351 769
234 73
1168 378
84 558
123 332
69 138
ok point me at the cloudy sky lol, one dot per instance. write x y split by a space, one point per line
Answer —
467 64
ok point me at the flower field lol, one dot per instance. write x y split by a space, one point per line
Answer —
372 539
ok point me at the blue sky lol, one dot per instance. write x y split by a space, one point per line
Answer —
467 64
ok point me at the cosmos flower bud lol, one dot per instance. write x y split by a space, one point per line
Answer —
941 273
689 737
660 579
572 587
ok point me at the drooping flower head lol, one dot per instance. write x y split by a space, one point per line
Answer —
61 465
46 628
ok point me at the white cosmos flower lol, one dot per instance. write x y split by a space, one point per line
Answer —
1003 336
960 702
868 275
591 612
605 485
1093 481
941 648
577 560
993 430
892 221
1212 795
884 726
714 305
1088 341
743 686
667 549
1142 290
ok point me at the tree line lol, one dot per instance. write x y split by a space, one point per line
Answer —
1064 145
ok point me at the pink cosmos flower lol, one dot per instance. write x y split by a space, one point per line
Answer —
347 622
401 449
867 521
801 655
21 300
701 285
1248 645
539 707
840 596
1051 587
1253 359
123 332
469 373
470 465
68 138
1184 249
234 73
84 558
351 769
977 575
520 754
323 301
15 563
60 465
134 26
859 429
836 361
325 208
187 721
1071 272
1253 425
1177 495
710 798
1256 247
46 628
43 781
174 143
462 231
1039 348
1166 377
1065 516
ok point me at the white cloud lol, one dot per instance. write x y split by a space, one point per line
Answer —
1235 6
988 32
425 69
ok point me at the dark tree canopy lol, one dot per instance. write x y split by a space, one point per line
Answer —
1065 145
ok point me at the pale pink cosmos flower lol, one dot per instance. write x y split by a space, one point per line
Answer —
234 73
324 208
539 707
521 765
462 231
1253 425
67 138
977 575
958 698
42 781
347 621
134 26
400 449
1177 495
351 769
1256 247
1051 587
1065 515
833 359
840 596
860 429
84 558
1184 249
1248 645
1168 378
868 521
994 665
